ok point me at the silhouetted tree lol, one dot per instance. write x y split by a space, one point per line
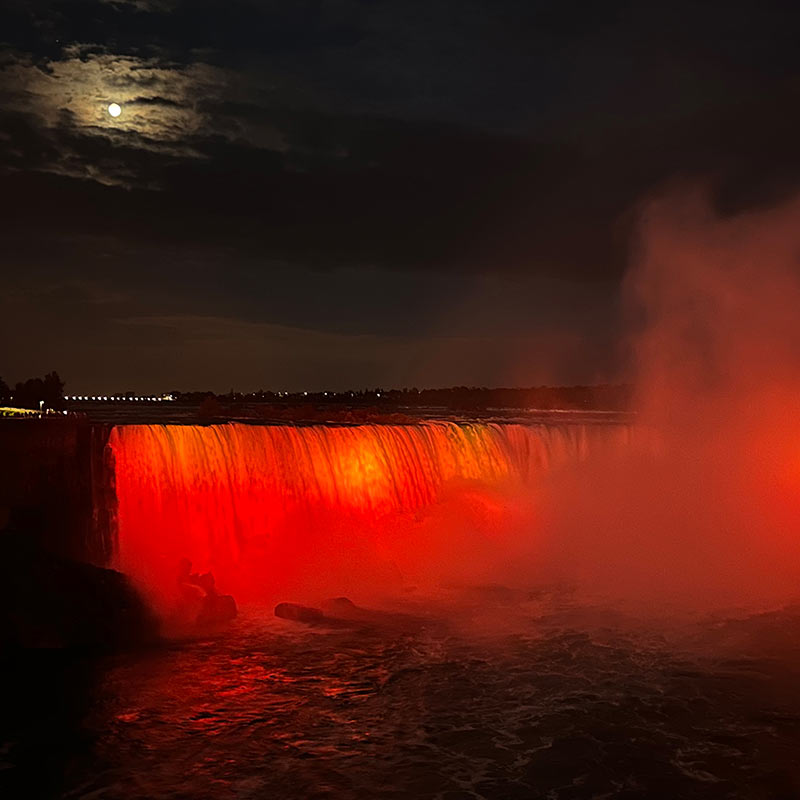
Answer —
53 390
47 391
5 390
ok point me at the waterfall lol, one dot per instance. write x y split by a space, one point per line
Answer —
231 496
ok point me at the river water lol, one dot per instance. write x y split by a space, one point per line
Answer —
495 696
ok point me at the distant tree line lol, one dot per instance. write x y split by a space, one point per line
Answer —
49 391
604 397
35 392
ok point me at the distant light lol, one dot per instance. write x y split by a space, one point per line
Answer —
115 109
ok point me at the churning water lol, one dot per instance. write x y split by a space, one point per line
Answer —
499 695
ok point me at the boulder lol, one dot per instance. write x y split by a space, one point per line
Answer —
217 608
298 613
54 602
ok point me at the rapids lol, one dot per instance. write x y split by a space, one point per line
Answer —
565 704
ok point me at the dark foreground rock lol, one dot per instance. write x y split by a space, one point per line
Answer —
47 601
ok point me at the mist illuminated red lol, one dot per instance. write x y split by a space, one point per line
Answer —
269 509
707 514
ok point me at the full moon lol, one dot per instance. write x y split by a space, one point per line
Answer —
114 109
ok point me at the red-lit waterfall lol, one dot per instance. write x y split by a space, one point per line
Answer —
271 507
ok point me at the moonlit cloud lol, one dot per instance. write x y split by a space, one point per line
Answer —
396 170
161 105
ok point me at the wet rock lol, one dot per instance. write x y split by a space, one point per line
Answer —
217 608
341 607
47 601
298 613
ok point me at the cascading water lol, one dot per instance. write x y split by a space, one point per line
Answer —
263 506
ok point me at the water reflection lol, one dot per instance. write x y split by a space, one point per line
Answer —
272 709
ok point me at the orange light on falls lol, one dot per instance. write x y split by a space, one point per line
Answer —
271 507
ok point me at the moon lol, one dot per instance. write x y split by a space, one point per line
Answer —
114 109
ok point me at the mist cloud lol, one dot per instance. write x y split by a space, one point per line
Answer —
705 510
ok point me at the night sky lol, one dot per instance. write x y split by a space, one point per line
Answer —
326 195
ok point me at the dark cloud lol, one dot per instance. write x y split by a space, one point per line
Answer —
363 169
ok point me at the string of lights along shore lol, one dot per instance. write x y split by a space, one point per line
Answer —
119 398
